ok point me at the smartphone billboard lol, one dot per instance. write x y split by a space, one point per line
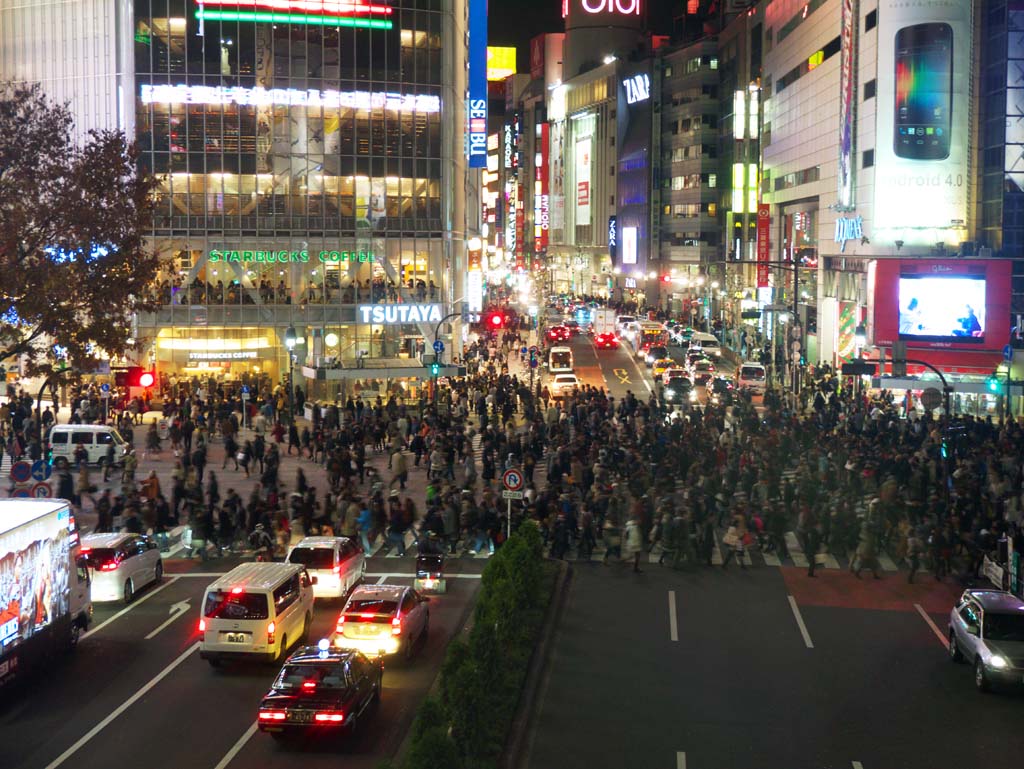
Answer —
961 304
923 123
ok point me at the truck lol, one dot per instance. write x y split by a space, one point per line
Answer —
44 584
604 321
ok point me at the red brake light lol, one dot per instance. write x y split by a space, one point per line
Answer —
202 625
367 615
85 549
309 685
272 715
270 632
110 566
336 570
331 717
396 626
339 628
236 591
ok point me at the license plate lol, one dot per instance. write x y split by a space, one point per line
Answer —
367 630
236 638
300 717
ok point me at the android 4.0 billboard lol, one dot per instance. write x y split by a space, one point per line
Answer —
923 122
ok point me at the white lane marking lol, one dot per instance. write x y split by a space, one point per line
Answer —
858 765
800 623
237 747
382 579
217 575
931 624
410 576
131 606
887 563
770 559
177 610
796 552
680 760
673 630
121 708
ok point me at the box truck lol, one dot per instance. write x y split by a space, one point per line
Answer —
604 321
44 585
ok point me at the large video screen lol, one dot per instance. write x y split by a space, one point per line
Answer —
935 308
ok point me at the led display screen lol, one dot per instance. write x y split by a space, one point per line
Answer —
942 307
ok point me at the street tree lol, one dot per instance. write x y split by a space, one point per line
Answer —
73 217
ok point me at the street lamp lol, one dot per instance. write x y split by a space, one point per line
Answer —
290 338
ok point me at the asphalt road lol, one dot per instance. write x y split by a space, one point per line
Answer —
712 670
122 698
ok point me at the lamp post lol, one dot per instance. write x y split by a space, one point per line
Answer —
290 338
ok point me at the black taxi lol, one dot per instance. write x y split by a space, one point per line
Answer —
320 690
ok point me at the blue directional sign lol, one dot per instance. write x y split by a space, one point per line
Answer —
523 351
41 470
245 388
104 388
439 347
1008 353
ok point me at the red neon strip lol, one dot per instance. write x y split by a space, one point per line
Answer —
325 7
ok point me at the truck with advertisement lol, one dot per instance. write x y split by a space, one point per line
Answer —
44 586
604 321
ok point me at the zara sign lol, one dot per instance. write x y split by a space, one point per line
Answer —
638 88
625 7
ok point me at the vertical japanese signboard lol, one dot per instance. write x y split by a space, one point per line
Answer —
476 147
583 181
541 205
847 102
763 244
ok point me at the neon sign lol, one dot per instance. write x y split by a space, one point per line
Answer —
290 97
625 7
476 139
301 257
393 314
324 13
638 88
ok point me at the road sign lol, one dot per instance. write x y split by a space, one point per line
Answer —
21 493
533 363
41 470
524 350
1008 353
931 398
21 472
438 346
533 348
506 494
42 491
512 479
245 389
105 389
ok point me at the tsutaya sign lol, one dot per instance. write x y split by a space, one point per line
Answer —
625 7
394 314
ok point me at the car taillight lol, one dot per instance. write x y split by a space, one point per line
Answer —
110 566
339 628
396 626
309 686
272 715
202 625
336 570
270 632
330 717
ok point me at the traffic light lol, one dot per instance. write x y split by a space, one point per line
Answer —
495 321
994 385
666 278
435 369
137 376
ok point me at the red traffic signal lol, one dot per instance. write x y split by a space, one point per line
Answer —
147 379
495 320
137 376
666 278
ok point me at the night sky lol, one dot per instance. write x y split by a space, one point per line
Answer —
514 22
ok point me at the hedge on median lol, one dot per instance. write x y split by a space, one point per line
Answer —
466 726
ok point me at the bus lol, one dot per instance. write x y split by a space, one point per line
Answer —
649 335
560 361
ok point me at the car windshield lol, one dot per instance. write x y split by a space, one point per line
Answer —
678 383
752 372
1004 627
323 675
232 605
313 557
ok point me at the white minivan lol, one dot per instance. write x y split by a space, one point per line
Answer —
751 376
64 439
707 342
255 611
120 565
338 563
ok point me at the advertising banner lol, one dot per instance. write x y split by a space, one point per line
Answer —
961 304
847 340
476 148
583 181
923 122
537 57
764 232
847 101
541 196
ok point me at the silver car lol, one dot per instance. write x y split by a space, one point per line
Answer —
986 627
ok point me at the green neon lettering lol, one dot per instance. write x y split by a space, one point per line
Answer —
215 256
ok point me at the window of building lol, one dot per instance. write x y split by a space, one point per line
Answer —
797 178
871 20
867 159
812 62
869 90
712 180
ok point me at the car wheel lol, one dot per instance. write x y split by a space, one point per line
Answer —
129 591
980 679
955 655
305 627
158 572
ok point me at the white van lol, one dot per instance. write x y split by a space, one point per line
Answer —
752 376
256 611
708 343
337 563
560 360
64 439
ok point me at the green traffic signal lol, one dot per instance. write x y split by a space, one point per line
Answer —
994 385
435 369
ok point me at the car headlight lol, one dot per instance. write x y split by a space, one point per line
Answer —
670 393
998 662
693 395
